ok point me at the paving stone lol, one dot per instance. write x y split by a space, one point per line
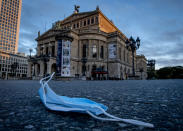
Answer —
159 102
29 126
96 129
122 125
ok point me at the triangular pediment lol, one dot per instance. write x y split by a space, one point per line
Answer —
45 34
52 33
49 33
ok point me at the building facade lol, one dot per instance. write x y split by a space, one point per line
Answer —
10 11
141 67
13 65
95 46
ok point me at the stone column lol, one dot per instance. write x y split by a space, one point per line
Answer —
49 49
38 50
29 69
41 68
98 49
56 48
48 67
36 71
89 49
79 48
78 56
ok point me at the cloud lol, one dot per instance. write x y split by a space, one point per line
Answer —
157 23
169 62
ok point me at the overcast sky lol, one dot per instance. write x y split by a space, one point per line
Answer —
158 23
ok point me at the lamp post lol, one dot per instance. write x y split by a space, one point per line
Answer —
133 45
107 63
30 50
84 60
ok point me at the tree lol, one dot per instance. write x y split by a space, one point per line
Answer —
170 73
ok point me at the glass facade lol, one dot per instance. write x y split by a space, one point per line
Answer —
9 24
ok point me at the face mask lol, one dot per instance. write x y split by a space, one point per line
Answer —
55 102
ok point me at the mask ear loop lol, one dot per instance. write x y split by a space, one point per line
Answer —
44 83
114 118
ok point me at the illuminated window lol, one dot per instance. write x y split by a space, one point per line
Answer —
94 51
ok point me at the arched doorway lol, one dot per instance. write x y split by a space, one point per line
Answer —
45 68
38 69
94 67
53 67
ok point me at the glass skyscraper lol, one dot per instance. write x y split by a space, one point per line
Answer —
10 12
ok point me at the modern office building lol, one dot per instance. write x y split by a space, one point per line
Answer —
12 63
10 11
13 66
83 44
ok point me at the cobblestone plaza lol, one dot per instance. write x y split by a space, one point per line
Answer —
159 102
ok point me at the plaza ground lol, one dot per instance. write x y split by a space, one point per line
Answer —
155 101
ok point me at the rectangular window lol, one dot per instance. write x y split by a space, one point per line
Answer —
96 20
124 55
102 52
92 20
88 21
84 50
85 23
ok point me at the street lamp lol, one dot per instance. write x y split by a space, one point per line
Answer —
30 50
133 45
84 61
107 63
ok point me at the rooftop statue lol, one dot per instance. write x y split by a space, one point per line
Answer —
76 8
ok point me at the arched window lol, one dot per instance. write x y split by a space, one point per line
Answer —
92 20
88 21
53 51
96 19
84 50
81 24
94 51
85 23
102 52
47 51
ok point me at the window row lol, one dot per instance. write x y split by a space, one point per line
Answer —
94 51
14 71
9 16
5 59
12 2
83 23
86 22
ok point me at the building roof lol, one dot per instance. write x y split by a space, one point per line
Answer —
13 55
80 15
